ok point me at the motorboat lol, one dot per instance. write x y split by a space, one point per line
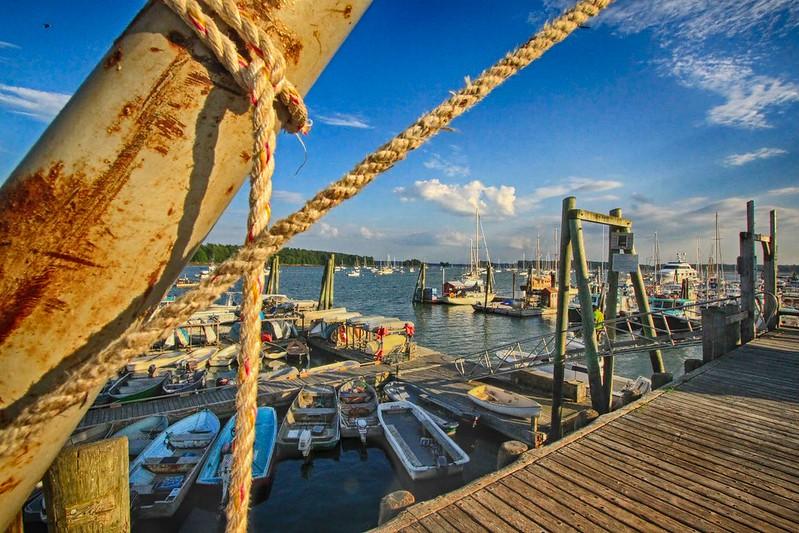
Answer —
357 405
312 421
420 446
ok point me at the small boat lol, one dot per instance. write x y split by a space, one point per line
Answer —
225 357
423 449
142 432
272 351
193 382
215 473
280 374
401 391
312 421
170 358
163 473
129 387
357 407
504 402
297 348
90 434
35 509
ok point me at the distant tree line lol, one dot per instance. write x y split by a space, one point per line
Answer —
216 253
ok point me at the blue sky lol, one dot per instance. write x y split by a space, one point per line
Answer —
671 110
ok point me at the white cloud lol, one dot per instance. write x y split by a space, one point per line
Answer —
784 191
569 185
689 29
605 198
326 230
736 160
344 120
41 105
448 168
289 197
463 199
6 44
368 233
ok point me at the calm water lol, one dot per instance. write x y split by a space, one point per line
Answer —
340 490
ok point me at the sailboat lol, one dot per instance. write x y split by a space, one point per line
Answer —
470 290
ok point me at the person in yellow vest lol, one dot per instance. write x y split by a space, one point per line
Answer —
599 322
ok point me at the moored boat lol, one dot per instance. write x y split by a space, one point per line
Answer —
165 470
129 387
225 357
169 358
504 402
272 351
421 447
142 432
282 373
357 404
312 421
401 391
215 472
90 434
192 382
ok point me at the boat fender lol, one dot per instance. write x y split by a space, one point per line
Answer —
342 334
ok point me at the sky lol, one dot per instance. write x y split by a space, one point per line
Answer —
671 110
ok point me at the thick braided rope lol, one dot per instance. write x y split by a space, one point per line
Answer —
92 373
262 78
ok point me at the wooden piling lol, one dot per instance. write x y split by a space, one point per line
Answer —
562 321
771 304
393 503
86 488
509 451
611 310
746 269
590 351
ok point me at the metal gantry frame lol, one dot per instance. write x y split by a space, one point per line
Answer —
572 242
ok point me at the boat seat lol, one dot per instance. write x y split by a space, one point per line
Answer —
406 450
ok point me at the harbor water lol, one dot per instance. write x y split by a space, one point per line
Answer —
342 488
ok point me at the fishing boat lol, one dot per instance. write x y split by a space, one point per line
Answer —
170 358
193 382
400 391
225 357
129 387
165 470
312 421
421 447
504 402
142 432
215 472
357 407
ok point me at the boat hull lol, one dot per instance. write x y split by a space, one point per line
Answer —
504 402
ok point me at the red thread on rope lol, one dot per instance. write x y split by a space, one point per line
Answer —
241 493
197 24
247 367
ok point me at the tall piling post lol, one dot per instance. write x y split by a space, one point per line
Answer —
273 284
746 269
323 290
331 286
591 350
611 310
771 303
87 488
562 321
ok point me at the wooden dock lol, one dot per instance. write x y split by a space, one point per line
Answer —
717 451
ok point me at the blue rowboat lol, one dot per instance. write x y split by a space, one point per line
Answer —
215 473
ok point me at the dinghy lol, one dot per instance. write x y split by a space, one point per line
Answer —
215 473
225 357
504 402
357 407
163 473
401 391
194 382
90 434
161 359
129 387
312 421
272 351
297 348
142 432
421 447
281 374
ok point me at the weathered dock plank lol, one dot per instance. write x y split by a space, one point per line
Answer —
716 451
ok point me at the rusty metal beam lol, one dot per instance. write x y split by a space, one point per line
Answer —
107 208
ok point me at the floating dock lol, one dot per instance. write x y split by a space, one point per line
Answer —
431 370
718 450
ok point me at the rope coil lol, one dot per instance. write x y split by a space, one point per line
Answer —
263 77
